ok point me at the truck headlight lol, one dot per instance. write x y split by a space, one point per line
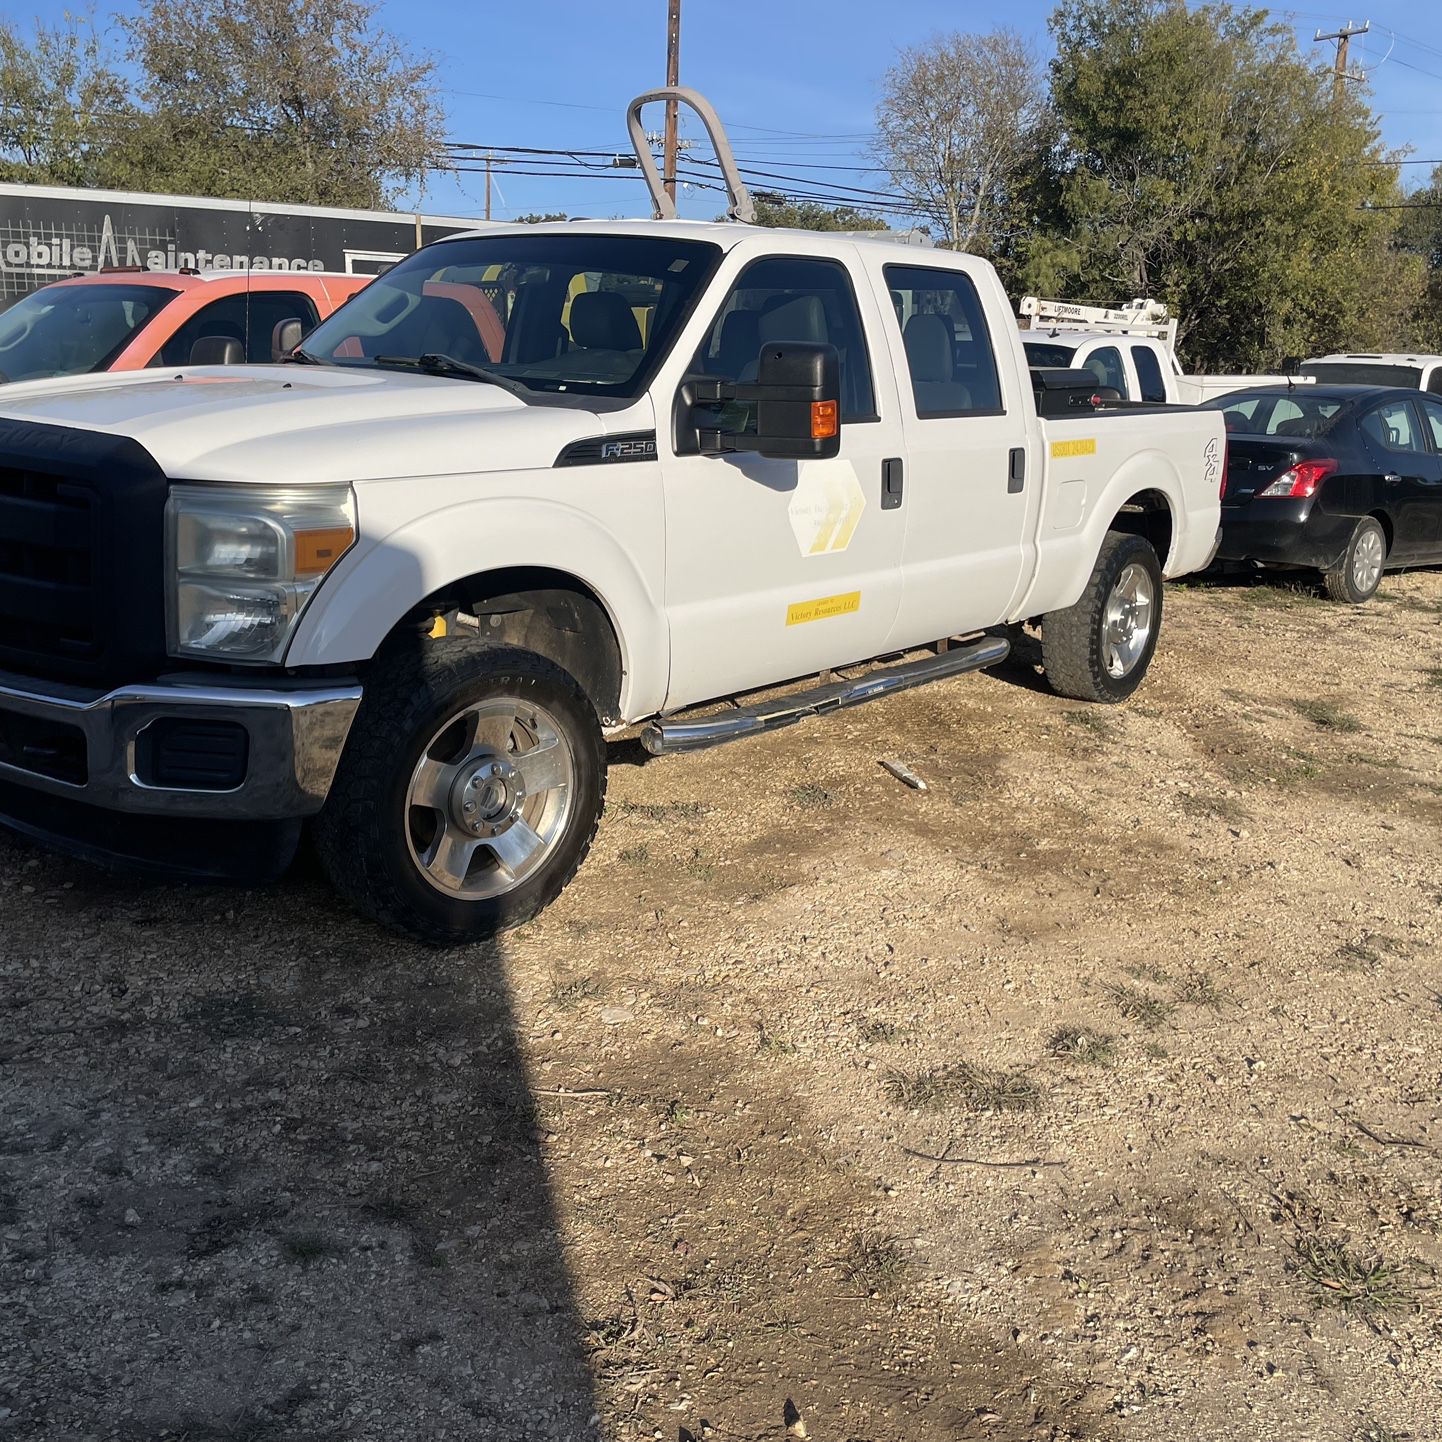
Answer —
244 560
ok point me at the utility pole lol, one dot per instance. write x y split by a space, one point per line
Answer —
488 185
673 77
1343 37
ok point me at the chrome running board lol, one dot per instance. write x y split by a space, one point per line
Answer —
670 734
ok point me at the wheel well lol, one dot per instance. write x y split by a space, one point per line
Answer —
547 612
1385 521
1147 514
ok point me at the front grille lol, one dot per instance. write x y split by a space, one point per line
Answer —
81 555
47 566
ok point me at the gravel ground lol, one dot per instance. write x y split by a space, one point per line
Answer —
1091 1093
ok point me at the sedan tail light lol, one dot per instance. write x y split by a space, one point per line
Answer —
1301 480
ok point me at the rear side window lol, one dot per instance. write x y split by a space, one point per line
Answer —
1434 381
1106 365
786 298
948 347
1433 412
1392 427
1149 373
250 319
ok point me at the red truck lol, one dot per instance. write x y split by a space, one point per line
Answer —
129 319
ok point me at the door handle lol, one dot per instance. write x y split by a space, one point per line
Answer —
1016 471
891 484
1391 479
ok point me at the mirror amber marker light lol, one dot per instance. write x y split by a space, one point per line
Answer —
825 418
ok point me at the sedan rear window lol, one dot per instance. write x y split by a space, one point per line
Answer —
1289 415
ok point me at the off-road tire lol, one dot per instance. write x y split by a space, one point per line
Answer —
360 836
1072 640
1340 579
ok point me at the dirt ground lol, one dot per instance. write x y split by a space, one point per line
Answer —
1091 1093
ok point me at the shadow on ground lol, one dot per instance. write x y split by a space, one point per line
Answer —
266 1173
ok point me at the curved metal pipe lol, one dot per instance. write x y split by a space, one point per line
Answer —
740 207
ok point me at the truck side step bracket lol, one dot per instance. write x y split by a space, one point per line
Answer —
672 734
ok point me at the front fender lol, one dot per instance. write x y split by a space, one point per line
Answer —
399 562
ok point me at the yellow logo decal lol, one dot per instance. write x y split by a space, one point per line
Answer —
1060 450
823 608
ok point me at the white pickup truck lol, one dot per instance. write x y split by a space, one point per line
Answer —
1410 372
1130 348
528 489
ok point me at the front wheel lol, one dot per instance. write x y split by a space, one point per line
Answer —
469 792
1100 648
1355 578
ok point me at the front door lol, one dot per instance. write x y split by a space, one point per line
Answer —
776 569
972 478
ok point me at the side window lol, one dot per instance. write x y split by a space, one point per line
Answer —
1149 373
1434 382
948 347
249 319
1391 427
1433 412
783 298
1106 365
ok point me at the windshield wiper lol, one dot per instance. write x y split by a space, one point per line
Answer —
299 357
436 364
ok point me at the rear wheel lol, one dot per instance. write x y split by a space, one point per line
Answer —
1355 578
1100 648
468 795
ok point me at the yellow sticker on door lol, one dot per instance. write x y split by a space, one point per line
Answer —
1060 450
823 608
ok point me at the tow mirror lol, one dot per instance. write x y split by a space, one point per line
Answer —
285 337
217 350
797 400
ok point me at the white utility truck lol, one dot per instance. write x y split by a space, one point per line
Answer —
1411 372
1129 348
530 488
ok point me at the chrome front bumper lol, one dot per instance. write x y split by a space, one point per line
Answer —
294 740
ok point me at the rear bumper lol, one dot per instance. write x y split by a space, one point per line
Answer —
255 754
1284 532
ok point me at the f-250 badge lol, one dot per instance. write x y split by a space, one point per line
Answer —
628 451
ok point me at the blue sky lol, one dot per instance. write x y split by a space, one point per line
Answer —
794 80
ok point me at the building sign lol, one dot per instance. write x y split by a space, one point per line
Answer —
48 232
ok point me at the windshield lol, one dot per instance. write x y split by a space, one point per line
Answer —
1048 353
586 314
1365 373
66 330
1265 414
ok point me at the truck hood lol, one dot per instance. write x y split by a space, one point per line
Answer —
308 423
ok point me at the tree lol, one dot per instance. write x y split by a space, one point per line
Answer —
1201 160
959 119
281 100
1419 239
538 218
61 104
812 215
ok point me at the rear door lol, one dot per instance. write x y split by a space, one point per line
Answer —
1411 472
972 479
1430 504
